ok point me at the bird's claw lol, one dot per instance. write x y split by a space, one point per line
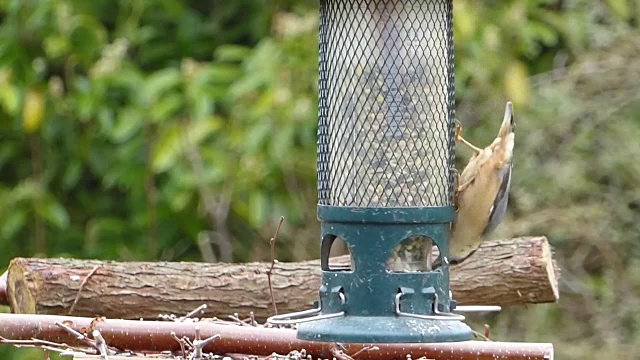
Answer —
458 138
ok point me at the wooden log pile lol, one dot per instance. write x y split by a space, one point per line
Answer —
104 294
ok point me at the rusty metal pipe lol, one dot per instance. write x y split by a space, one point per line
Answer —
156 336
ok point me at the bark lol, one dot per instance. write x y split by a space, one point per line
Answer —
512 272
148 336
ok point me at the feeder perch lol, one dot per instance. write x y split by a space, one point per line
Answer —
385 172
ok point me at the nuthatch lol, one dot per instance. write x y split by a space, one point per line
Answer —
482 190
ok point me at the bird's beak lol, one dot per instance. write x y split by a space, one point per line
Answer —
508 113
508 124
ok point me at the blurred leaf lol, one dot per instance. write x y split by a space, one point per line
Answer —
202 107
129 121
53 212
464 20
25 191
10 98
199 130
56 46
544 33
159 83
13 222
232 52
167 149
33 110
516 83
166 107
72 175
181 199
259 208
621 8
223 73
257 136
283 140
88 37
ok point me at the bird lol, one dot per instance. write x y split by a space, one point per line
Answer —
482 191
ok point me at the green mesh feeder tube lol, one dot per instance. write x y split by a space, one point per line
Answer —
385 172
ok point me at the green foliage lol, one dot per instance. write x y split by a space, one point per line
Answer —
155 129
102 103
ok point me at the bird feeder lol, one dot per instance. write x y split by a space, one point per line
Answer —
385 173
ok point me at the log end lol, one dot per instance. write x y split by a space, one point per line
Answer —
539 260
507 272
20 297
553 271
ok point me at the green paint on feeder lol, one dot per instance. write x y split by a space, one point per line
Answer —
381 329
369 290
387 215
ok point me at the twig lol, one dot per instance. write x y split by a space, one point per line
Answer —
272 243
338 352
93 343
197 350
172 317
54 349
101 344
75 333
199 344
237 320
199 310
250 321
188 342
366 348
54 344
480 335
34 342
84 281
42 344
184 353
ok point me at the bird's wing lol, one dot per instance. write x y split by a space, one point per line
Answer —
499 208
501 165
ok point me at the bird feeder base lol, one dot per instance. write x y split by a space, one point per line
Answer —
381 329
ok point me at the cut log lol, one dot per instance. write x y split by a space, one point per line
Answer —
509 272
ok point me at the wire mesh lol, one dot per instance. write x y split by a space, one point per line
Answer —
386 91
